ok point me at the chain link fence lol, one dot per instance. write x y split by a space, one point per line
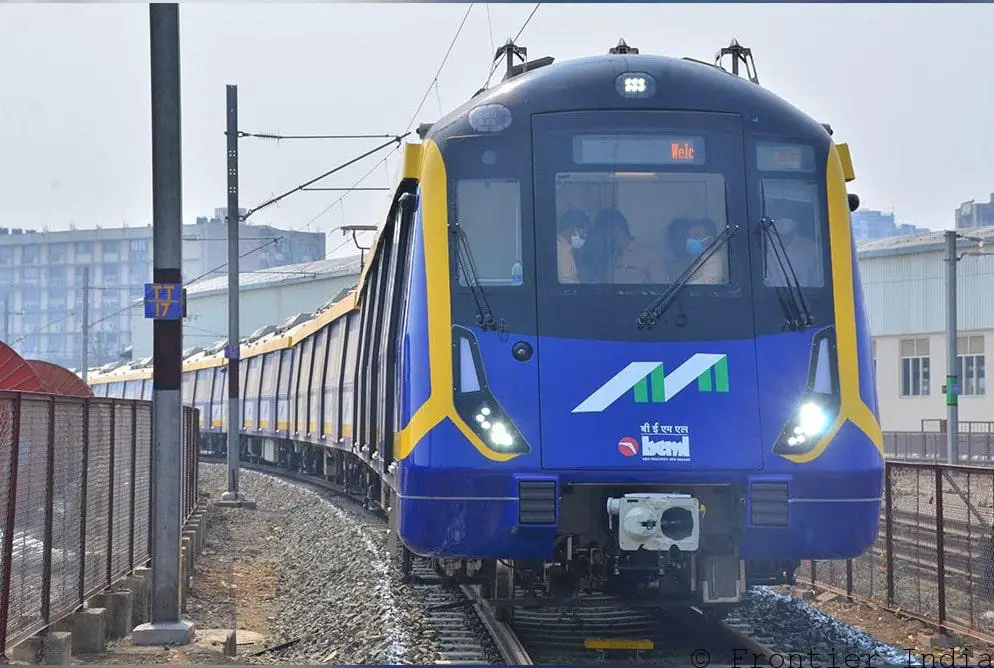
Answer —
934 554
75 501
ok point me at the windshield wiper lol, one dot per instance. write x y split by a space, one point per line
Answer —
651 313
467 267
795 306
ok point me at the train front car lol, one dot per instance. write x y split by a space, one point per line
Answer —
635 357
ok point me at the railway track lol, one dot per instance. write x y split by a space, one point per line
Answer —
468 630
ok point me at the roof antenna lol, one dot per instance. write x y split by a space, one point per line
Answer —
623 49
738 53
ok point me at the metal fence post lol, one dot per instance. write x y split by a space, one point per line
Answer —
134 464
84 482
889 531
46 569
110 493
8 534
940 544
849 585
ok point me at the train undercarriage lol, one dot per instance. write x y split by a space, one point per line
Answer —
650 546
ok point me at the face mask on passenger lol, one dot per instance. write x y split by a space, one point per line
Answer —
576 241
695 246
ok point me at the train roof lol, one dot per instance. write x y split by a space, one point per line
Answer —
682 84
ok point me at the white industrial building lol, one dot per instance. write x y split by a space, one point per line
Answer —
266 297
904 288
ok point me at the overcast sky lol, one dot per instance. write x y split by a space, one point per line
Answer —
908 86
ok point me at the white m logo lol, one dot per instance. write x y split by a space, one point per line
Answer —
650 384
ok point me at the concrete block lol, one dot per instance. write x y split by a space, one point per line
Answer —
52 648
187 544
140 602
88 628
118 607
164 633
237 503
194 543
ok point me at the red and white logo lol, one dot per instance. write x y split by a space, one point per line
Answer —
628 446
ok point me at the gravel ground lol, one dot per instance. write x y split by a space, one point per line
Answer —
791 624
337 594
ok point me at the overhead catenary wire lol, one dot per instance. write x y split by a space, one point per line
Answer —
394 139
493 66
438 72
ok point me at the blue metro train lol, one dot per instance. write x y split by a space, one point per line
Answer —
610 338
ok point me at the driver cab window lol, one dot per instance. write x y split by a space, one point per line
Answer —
488 212
793 201
639 227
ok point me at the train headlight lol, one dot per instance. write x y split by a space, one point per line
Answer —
475 402
635 84
812 420
819 406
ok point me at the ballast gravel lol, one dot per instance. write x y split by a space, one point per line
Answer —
789 625
339 598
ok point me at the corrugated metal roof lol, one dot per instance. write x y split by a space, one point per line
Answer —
291 273
928 242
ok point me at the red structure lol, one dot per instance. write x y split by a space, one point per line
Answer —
20 375
59 380
16 374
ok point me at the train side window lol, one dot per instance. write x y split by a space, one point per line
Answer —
294 388
189 379
317 380
370 300
380 325
267 389
147 389
488 212
304 383
217 398
287 372
795 205
349 375
332 379
252 378
224 375
393 315
242 381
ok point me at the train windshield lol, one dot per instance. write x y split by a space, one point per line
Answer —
631 199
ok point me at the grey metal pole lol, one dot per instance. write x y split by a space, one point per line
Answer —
85 329
952 363
166 626
233 497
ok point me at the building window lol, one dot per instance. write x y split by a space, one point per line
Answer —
82 248
57 253
111 274
29 273
972 379
915 373
29 254
111 247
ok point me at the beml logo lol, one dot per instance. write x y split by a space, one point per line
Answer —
628 446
